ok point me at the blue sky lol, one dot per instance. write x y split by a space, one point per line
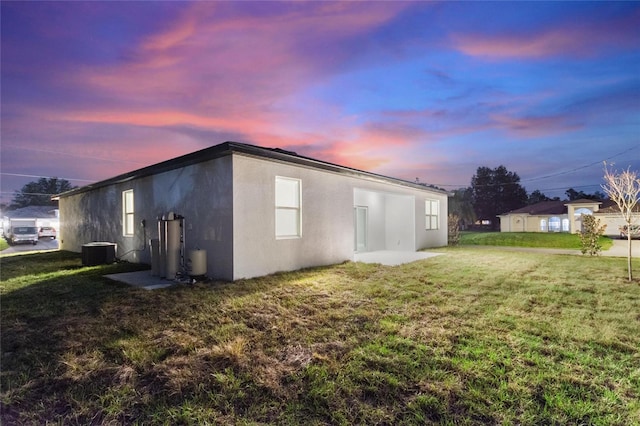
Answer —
423 90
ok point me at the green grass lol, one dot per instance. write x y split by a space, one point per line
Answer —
3 244
470 337
528 239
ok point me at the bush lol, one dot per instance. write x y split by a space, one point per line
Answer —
453 225
590 235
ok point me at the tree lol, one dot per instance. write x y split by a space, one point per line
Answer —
624 189
573 195
537 197
38 193
460 204
496 191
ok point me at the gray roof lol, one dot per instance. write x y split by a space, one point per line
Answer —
554 207
228 148
543 208
32 212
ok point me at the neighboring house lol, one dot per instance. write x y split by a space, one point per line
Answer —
255 211
31 216
561 216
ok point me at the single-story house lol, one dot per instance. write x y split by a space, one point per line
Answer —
561 216
38 216
254 211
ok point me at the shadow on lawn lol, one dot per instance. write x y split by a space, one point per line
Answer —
72 337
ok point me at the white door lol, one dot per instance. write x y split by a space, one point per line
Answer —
360 217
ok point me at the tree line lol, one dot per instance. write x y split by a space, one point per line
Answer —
497 191
39 193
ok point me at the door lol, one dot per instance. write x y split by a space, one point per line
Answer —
360 218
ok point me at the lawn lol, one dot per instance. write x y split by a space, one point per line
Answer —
469 337
528 239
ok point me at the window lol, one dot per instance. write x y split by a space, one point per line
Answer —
127 213
565 225
543 225
432 214
554 224
288 208
582 211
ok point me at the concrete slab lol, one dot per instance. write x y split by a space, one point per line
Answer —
141 279
392 258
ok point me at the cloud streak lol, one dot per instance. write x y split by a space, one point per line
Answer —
576 39
400 88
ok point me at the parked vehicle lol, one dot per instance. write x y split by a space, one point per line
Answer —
23 234
47 231
635 232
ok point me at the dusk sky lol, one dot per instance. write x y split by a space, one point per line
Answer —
406 89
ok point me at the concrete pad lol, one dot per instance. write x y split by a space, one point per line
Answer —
141 279
392 258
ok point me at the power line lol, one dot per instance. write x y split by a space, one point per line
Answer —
565 172
581 167
51 151
46 177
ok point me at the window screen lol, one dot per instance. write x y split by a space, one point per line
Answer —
127 213
288 208
432 214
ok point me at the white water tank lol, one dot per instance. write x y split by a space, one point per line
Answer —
173 249
197 263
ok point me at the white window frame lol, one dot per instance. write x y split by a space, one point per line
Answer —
128 214
288 208
431 215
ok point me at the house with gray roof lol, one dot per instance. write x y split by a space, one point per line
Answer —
562 216
253 211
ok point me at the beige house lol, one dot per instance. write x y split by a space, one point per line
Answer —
561 216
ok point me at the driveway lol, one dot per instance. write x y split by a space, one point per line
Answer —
44 244
620 248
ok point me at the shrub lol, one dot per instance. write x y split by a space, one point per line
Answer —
453 224
590 235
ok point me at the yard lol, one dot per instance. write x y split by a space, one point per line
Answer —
474 336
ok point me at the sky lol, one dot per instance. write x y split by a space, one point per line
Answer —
412 90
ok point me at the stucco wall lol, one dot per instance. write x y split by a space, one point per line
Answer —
426 238
327 217
202 193
229 209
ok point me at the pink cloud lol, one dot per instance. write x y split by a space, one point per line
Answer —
534 126
575 39
223 69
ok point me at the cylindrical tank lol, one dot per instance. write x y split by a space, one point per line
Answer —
154 245
173 248
197 263
162 252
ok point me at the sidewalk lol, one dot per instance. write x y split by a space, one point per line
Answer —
618 249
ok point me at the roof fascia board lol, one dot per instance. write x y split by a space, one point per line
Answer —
228 148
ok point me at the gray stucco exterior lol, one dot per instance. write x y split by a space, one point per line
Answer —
227 196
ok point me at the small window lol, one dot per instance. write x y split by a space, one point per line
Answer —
127 213
543 225
288 208
554 224
565 225
432 214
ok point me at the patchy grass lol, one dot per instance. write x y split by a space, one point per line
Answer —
470 337
528 239
3 244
